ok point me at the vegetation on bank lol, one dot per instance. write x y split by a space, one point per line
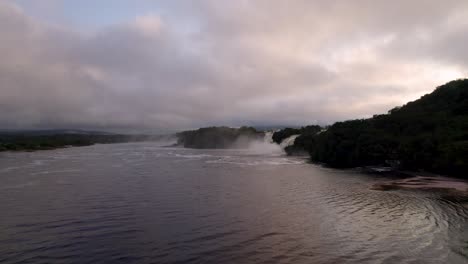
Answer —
218 137
32 141
428 134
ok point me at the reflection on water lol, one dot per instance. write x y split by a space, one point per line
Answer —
139 203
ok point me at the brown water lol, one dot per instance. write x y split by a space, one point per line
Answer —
140 203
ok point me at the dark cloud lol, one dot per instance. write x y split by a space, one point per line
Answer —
237 62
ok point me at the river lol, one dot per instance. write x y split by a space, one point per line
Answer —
142 203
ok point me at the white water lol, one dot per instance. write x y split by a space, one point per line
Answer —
266 146
288 141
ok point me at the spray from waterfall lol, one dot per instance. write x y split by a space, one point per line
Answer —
268 146
265 146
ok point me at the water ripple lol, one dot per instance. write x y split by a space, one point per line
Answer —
139 203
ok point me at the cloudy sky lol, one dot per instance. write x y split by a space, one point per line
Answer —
164 65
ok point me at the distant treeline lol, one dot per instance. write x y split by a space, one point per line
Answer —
429 134
41 141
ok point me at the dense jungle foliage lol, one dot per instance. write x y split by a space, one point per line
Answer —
429 134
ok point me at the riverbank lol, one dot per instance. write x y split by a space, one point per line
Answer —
33 142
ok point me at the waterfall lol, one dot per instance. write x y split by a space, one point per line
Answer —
268 137
288 141
268 146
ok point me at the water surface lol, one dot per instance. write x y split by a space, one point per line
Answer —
140 203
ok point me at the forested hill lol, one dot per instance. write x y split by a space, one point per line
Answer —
428 134
218 137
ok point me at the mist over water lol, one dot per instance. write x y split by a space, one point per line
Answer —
265 146
142 203
268 147
170 140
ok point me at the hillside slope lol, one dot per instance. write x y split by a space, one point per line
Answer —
428 134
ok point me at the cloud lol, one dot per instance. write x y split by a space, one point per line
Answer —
229 63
